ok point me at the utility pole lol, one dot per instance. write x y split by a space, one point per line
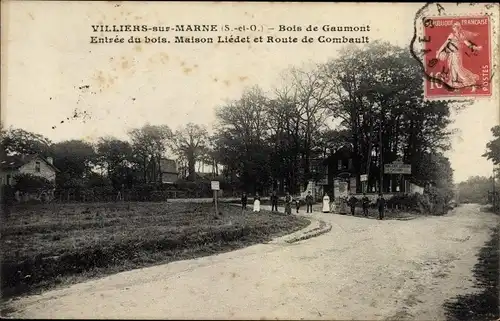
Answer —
381 147
494 196
369 158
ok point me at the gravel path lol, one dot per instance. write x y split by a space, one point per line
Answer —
361 269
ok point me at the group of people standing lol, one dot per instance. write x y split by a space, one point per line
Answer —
352 201
288 200
309 200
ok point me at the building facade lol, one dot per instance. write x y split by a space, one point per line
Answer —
35 165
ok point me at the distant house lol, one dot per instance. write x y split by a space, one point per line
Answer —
341 170
10 166
36 165
168 171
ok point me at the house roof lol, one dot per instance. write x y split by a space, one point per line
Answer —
16 161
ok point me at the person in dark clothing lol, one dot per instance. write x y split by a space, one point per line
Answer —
309 203
244 200
365 201
274 202
381 206
297 204
352 204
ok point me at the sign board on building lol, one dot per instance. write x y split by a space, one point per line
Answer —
215 185
397 167
363 178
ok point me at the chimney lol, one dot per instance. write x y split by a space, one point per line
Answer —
50 160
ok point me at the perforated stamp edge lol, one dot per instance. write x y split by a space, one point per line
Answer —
461 10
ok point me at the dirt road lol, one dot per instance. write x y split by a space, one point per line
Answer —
362 269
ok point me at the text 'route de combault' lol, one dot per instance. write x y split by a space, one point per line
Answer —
235 34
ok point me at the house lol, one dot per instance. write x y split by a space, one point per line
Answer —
10 166
34 164
168 171
343 177
340 170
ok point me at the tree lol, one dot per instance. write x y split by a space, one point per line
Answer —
190 142
241 135
493 147
150 144
116 156
309 94
20 141
28 183
378 98
75 159
209 156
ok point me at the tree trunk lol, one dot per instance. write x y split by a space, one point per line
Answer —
145 169
191 167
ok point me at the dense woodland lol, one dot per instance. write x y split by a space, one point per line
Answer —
371 98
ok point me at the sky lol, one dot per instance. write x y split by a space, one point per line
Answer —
51 70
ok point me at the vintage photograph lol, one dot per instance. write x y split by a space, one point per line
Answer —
249 160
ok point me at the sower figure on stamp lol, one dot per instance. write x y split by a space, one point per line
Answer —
365 201
288 204
381 206
274 202
451 53
309 202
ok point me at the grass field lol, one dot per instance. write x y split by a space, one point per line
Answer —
46 245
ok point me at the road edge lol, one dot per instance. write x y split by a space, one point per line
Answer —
315 228
323 228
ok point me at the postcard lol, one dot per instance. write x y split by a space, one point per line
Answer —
249 160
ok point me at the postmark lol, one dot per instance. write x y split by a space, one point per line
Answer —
458 53
455 47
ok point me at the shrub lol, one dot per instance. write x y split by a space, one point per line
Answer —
28 183
434 201
416 202
439 198
195 188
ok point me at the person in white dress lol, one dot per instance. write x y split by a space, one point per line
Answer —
256 203
326 203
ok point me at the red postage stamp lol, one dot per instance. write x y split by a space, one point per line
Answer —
457 57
